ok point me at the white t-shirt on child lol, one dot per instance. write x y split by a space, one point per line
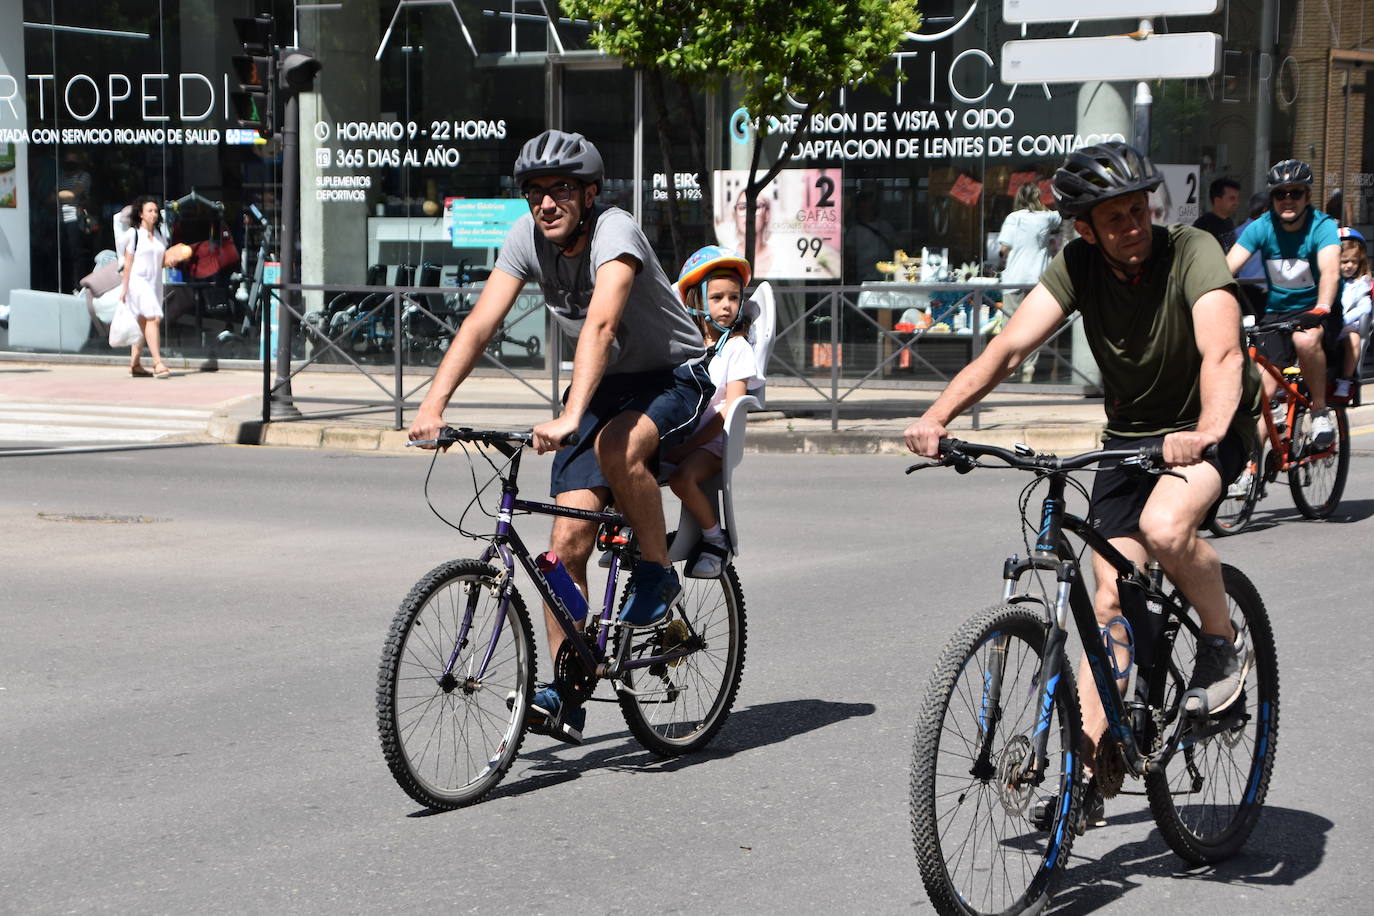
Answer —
734 362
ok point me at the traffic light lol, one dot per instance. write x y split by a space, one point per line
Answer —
255 101
296 70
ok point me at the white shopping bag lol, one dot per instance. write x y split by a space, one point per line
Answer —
124 330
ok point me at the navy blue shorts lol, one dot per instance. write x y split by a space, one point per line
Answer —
1120 496
674 399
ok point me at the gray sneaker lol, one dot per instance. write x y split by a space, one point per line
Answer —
1220 671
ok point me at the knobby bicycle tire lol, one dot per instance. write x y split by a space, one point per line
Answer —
1234 512
679 706
1317 486
448 742
1208 800
977 842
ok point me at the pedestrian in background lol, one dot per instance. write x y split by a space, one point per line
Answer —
1025 241
1224 193
144 249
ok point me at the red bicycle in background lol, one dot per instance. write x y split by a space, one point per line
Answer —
1316 478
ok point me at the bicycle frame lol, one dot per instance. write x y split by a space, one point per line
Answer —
506 544
1052 553
1282 443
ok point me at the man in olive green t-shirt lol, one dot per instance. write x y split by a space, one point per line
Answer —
1161 316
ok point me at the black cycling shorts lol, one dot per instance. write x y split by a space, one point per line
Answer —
1119 497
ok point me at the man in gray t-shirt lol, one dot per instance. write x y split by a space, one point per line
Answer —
655 331
638 382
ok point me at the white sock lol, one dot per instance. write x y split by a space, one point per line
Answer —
714 535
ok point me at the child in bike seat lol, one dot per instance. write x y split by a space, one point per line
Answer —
1356 286
712 286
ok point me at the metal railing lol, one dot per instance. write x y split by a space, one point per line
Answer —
374 328
833 341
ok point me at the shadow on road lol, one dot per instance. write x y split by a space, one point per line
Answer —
1287 846
746 729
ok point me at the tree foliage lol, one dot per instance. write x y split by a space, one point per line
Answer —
779 53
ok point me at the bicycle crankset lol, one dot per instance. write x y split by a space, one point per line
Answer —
570 671
1109 767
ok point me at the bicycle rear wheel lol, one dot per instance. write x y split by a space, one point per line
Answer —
981 843
1209 798
1235 509
1317 485
678 706
449 739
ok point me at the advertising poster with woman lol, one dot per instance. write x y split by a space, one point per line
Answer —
9 194
796 222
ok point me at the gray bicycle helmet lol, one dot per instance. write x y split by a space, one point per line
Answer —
1096 173
555 152
1289 172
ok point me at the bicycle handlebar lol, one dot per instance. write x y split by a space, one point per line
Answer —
962 456
448 435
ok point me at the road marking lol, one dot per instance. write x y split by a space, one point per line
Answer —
48 421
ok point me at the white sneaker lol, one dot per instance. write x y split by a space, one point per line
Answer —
1323 431
1241 488
710 562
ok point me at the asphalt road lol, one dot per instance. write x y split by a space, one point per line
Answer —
188 660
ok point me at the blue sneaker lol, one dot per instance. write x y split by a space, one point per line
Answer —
548 716
655 588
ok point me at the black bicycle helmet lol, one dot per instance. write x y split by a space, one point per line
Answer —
1096 173
1289 172
555 152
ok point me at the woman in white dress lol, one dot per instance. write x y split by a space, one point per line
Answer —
144 248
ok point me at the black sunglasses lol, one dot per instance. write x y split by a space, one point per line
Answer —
1290 193
561 192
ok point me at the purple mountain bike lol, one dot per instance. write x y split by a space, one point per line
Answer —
458 669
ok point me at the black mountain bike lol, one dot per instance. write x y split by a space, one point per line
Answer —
996 779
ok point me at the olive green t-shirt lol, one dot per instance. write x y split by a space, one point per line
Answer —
1141 331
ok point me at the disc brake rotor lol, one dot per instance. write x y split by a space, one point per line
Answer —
1012 787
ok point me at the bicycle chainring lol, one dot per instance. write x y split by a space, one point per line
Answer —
1109 767
570 671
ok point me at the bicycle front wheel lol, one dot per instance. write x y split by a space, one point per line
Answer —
450 732
678 706
1317 485
1237 503
1208 799
990 834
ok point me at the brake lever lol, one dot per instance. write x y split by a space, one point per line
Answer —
1146 466
922 467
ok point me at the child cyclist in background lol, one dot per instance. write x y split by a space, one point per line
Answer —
712 286
1356 285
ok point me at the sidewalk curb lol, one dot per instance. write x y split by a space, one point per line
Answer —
304 434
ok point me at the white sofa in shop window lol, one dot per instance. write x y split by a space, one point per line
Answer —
48 322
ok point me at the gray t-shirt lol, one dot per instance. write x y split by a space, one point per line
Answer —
655 331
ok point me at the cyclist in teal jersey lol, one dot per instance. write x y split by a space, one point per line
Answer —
1300 251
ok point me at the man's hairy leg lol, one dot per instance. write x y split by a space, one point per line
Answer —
1168 526
572 540
1106 605
623 449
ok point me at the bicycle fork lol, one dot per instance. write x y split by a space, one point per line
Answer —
1048 678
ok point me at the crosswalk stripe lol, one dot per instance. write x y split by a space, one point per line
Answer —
55 422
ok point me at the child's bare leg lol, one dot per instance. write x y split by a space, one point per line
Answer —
697 468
